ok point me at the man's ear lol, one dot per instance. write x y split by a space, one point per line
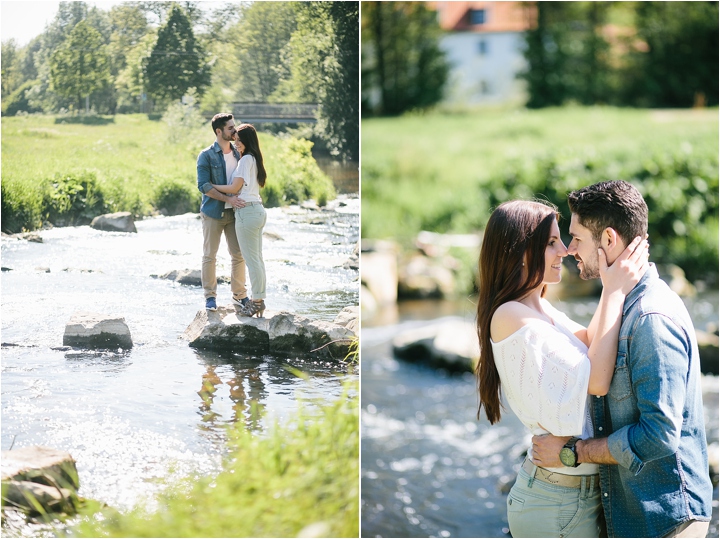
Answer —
610 239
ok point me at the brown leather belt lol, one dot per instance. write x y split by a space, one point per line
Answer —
559 479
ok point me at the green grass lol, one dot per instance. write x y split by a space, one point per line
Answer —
298 475
136 164
444 171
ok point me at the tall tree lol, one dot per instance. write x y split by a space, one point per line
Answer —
177 62
81 65
260 40
678 67
322 55
403 64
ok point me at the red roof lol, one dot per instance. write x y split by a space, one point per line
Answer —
497 16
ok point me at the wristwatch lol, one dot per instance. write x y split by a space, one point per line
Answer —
568 454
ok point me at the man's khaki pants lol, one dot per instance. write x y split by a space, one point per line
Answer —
212 231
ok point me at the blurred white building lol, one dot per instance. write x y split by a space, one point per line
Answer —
484 44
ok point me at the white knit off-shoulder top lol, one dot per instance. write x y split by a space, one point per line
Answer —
544 373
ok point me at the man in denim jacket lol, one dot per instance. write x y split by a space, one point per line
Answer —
649 429
215 165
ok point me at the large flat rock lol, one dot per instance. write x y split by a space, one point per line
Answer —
275 333
93 330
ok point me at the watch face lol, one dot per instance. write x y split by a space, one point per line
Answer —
567 457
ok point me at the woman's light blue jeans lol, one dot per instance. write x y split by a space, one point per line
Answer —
540 509
249 224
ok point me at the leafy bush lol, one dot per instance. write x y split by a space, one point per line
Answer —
74 198
291 166
681 191
175 197
21 207
18 101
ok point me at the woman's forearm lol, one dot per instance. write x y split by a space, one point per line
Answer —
232 188
602 352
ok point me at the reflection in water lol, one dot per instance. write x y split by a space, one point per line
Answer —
246 391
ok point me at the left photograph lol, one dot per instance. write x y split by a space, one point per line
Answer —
180 269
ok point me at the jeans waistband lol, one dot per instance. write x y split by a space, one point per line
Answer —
559 479
252 204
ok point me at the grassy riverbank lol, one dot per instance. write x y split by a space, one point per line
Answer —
66 170
444 172
300 477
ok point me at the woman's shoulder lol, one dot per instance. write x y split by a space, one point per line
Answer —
511 317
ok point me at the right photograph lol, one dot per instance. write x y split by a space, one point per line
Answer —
539 269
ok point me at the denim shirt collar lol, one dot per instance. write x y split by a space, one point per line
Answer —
217 149
636 293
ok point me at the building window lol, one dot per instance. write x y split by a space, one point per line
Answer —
477 16
482 47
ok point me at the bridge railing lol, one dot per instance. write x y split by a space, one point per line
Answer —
275 112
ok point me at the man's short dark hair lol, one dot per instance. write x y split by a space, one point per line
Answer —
219 121
615 204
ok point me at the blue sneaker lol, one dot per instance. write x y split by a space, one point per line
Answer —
211 304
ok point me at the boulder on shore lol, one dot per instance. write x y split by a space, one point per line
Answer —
92 330
39 474
275 333
115 222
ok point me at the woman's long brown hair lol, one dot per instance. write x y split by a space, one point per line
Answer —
517 232
248 136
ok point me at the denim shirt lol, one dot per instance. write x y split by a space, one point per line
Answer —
653 418
211 170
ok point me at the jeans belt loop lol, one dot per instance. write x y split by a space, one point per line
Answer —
532 475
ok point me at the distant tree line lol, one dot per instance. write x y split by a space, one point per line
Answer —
144 56
641 54
665 54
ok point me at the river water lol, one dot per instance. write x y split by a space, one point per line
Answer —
137 419
429 468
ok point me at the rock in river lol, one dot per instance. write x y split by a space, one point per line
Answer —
115 222
47 475
92 330
450 343
275 333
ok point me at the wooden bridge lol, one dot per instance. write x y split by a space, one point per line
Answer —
279 113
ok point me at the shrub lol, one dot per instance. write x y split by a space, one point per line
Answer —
175 197
21 208
74 198
18 101
291 166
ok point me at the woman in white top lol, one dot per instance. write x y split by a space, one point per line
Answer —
544 363
248 178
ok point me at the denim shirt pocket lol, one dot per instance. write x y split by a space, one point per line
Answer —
217 173
621 385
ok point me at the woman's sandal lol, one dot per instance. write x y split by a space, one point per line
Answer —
254 308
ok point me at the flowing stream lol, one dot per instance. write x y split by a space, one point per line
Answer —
429 468
135 420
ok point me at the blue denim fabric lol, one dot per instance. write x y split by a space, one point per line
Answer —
211 169
653 418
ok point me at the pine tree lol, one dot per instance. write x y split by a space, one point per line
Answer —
177 62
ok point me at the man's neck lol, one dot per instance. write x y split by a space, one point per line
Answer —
224 145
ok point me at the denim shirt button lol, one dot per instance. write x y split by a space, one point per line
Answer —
599 428
605 494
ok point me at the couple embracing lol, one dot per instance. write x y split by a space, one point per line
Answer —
230 177
615 409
